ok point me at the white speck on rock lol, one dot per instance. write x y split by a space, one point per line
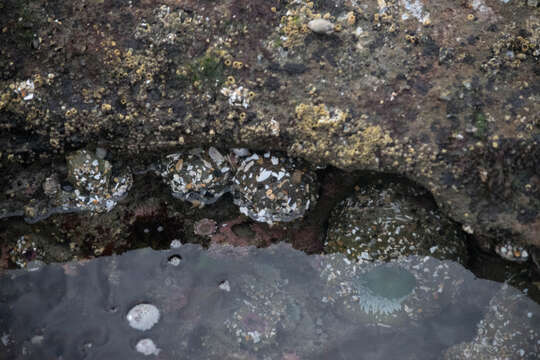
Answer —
147 347
175 244
225 286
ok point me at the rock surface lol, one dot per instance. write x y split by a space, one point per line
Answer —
445 93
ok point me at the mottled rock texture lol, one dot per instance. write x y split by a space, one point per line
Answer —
446 93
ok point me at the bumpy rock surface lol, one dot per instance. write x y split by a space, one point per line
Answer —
444 92
385 222
270 188
509 330
200 176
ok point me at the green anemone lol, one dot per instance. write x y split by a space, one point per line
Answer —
391 282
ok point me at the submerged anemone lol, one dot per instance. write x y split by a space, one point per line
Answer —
96 186
205 227
391 282
390 293
383 289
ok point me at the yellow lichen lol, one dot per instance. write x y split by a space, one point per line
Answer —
320 136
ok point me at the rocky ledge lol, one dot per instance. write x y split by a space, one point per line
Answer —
444 93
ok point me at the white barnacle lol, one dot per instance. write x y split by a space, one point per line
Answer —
143 316
263 175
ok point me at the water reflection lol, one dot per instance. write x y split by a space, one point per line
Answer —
273 303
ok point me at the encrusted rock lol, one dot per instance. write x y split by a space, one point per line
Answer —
269 188
390 221
199 176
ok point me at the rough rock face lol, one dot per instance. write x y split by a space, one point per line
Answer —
445 93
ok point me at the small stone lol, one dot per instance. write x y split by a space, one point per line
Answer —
532 3
321 26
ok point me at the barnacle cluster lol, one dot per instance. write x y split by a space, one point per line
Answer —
270 188
94 187
384 222
267 187
512 252
200 176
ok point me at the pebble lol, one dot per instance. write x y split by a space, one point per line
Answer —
321 26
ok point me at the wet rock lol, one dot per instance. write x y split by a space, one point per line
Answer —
272 188
384 222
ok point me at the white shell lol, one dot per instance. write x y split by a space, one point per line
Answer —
321 26
216 156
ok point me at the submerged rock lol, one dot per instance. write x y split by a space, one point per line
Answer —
384 222
254 303
272 188
509 330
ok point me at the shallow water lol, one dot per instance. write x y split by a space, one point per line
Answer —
250 303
